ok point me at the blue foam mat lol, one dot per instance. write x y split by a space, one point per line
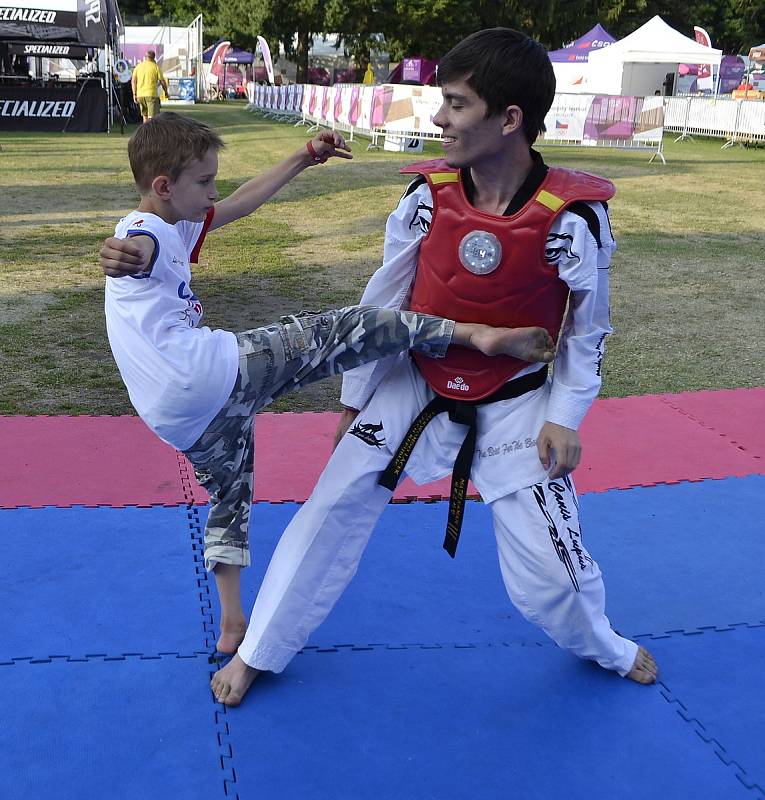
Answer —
489 722
82 581
715 681
111 729
668 555
680 557
407 588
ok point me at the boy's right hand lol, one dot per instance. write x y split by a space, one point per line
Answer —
122 257
327 144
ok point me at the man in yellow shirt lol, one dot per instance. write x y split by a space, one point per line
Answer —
146 77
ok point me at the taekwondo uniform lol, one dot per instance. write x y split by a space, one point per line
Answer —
549 252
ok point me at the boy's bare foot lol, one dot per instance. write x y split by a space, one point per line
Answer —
644 669
527 344
231 635
230 684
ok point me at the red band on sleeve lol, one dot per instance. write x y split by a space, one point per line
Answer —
201 240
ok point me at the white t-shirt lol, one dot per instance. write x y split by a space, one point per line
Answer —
178 374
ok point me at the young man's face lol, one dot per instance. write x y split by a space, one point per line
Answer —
194 193
469 137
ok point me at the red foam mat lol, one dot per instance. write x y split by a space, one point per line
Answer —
641 441
738 414
117 461
65 461
291 451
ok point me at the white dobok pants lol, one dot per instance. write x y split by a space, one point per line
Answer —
546 569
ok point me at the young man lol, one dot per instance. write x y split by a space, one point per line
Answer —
199 389
490 233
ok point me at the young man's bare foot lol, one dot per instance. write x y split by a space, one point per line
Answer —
644 669
231 635
230 684
527 344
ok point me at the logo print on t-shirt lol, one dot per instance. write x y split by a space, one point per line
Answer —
193 313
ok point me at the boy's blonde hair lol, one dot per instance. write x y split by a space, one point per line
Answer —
166 145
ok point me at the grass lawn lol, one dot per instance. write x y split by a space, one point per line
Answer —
687 297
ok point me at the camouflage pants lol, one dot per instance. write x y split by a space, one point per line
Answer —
278 359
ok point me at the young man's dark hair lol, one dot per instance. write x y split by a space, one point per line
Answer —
504 68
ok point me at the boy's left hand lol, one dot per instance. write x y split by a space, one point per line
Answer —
561 444
327 144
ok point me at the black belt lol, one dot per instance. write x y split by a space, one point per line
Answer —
464 413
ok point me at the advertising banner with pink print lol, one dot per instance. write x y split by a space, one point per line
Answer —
578 119
605 120
704 74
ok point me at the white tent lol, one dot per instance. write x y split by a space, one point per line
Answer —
638 64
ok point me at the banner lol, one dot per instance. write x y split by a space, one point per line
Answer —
80 21
704 75
91 21
47 50
403 112
565 120
266 53
76 108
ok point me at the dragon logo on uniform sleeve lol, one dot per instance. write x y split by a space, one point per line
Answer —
558 246
422 217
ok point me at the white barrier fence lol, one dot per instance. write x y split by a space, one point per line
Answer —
403 115
736 121
591 120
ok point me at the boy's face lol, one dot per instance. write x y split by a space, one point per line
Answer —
194 192
469 136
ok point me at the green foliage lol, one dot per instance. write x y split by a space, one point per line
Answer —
431 27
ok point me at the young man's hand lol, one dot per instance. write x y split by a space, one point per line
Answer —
327 144
122 257
566 446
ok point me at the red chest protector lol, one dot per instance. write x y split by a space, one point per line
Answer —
507 281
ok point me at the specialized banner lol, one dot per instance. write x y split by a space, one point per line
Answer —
49 50
91 21
81 21
77 108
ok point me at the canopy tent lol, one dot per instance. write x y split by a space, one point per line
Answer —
236 56
92 23
571 63
639 63
231 55
48 30
222 61
580 49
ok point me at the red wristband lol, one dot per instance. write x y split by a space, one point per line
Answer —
319 159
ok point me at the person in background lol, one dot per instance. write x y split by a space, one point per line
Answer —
147 76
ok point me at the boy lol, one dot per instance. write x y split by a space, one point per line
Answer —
489 233
199 389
